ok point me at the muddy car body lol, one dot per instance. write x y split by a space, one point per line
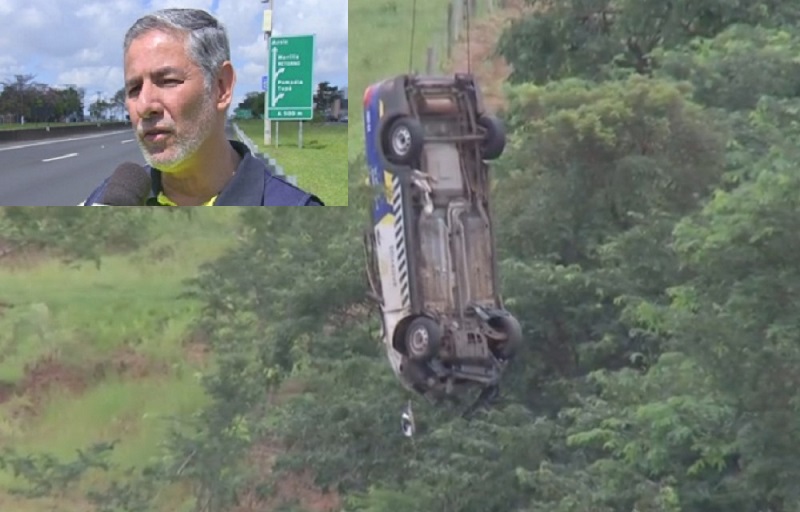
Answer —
430 248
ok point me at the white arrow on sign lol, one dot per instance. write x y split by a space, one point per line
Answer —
275 73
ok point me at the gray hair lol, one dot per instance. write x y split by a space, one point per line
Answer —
207 44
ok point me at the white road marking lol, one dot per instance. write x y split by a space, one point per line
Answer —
63 140
126 141
70 155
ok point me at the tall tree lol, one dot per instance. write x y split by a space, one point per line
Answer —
325 96
17 95
254 102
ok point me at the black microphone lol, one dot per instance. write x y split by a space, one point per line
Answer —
129 185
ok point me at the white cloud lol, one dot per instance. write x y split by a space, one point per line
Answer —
106 79
90 55
30 18
80 41
248 79
189 4
255 51
252 70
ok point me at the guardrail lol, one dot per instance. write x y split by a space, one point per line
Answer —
263 155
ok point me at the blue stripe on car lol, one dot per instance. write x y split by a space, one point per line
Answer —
380 207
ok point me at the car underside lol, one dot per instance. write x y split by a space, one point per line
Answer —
448 328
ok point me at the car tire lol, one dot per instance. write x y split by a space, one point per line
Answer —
422 339
508 325
495 140
402 141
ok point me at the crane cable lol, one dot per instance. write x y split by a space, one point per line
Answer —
469 58
413 29
413 26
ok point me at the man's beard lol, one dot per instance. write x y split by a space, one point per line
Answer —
195 132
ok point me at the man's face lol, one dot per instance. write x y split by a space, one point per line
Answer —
166 100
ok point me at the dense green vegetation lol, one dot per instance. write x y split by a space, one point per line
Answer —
648 212
22 98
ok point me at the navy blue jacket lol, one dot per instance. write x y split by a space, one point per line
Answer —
254 184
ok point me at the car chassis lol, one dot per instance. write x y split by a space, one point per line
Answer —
431 262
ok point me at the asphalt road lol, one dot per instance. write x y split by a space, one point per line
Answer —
62 172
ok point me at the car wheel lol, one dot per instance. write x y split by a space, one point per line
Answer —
495 140
509 326
422 337
403 141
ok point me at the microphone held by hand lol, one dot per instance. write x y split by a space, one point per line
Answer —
128 186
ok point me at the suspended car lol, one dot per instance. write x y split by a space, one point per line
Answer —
430 248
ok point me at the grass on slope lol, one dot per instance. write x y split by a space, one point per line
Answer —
82 314
134 411
320 165
379 47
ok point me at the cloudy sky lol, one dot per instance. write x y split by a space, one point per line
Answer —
80 41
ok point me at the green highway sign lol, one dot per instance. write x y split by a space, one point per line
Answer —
291 88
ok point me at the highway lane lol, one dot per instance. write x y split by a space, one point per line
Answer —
62 172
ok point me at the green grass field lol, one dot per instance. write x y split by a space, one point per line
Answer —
380 45
83 315
320 165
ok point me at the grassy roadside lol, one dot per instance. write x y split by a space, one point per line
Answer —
126 314
320 165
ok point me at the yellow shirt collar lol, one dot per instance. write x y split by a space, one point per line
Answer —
165 201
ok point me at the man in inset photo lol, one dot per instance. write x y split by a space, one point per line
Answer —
179 82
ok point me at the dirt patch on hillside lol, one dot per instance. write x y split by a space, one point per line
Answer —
197 354
289 388
48 374
4 305
197 348
490 71
42 377
292 488
15 257
126 362
72 503
300 488
7 390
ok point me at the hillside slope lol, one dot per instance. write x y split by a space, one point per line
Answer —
90 354
478 56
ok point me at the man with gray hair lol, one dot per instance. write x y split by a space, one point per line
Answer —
179 83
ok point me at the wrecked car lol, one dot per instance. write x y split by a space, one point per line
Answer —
431 263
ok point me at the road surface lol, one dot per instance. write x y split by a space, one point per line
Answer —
62 172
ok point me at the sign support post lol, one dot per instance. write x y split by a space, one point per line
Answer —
267 27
